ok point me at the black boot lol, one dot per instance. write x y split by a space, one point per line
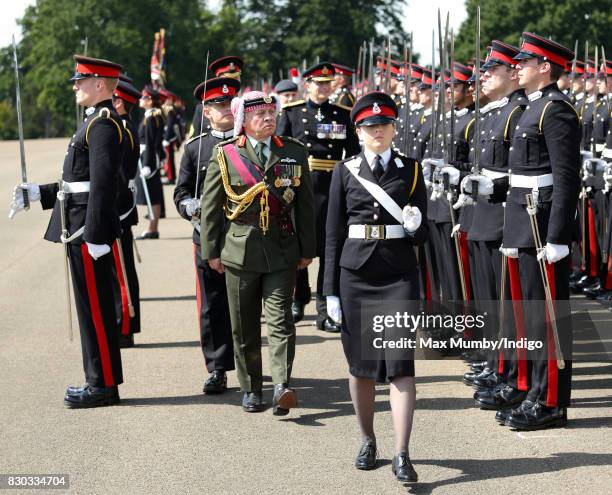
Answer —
216 383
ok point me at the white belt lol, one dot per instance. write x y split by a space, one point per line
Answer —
76 187
533 182
606 153
376 232
599 147
492 174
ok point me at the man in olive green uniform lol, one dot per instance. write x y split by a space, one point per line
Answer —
258 226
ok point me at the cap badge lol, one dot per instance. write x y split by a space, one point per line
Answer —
376 108
324 71
232 66
225 89
267 99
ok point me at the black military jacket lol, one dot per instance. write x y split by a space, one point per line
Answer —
546 141
343 97
128 172
312 124
601 125
188 173
351 204
585 110
94 155
488 220
422 135
150 134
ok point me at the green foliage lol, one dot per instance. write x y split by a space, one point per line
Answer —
270 36
8 120
565 21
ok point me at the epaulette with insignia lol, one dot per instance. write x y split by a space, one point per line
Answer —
294 104
293 140
195 137
104 113
342 106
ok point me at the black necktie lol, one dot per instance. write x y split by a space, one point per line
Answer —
378 168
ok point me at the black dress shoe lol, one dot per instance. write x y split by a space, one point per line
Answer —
216 383
478 365
585 282
329 325
283 400
537 418
468 377
148 235
70 390
126 341
502 416
366 458
594 292
506 398
92 397
297 310
403 470
605 297
489 392
251 402
487 379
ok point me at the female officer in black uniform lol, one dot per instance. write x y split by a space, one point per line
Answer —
370 256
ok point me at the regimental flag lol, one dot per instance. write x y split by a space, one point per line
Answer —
158 60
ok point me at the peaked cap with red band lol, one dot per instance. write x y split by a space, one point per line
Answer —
536 46
230 66
426 79
608 69
417 72
343 70
461 74
321 72
126 91
374 108
579 69
501 54
217 89
381 66
94 67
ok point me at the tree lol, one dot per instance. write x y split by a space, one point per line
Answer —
565 21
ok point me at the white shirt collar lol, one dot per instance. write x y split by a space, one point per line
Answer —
222 134
90 110
536 95
462 112
370 155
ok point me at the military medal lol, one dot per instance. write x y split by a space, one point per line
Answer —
278 182
288 195
319 116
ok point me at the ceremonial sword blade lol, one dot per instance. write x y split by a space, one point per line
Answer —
24 172
195 194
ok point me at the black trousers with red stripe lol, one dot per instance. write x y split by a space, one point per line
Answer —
93 282
446 260
549 385
127 325
214 318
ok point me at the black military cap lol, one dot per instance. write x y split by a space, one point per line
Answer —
321 72
461 74
536 46
501 54
126 91
218 89
126 78
230 66
343 70
374 108
151 92
285 86
426 79
94 67
417 72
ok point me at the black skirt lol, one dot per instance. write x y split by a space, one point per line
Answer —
373 284
154 186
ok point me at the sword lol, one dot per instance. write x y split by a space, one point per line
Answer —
125 279
476 168
387 83
531 210
571 92
146 190
61 197
24 172
408 84
195 192
136 252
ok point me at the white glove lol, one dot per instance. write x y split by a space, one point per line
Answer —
594 165
427 163
607 175
333 309
412 218
509 252
463 200
165 143
453 174
586 155
554 252
191 205
98 250
17 201
485 184
145 172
